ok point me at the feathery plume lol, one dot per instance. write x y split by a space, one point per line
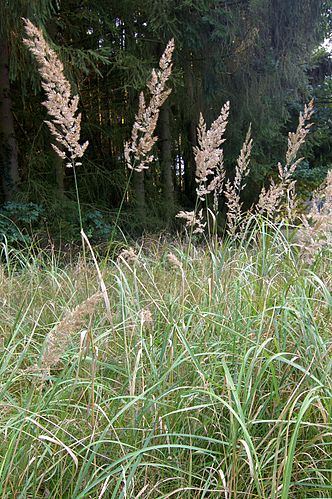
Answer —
65 125
138 150
210 172
174 261
193 220
58 339
233 190
128 255
270 200
209 156
296 139
316 231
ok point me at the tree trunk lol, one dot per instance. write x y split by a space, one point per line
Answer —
8 144
165 141
190 165
59 175
190 131
139 197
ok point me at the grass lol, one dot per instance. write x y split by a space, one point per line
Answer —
207 370
211 379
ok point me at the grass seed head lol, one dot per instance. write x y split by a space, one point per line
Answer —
73 321
65 124
137 151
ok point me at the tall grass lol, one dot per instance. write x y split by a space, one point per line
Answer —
207 373
212 378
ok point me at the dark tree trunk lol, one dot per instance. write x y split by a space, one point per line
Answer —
139 197
59 175
165 141
190 165
190 126
8 144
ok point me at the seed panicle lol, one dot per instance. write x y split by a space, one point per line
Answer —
65 123
137 151
58 340
270 200
233 190
209 155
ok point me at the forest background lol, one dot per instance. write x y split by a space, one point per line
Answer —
264 56
158 367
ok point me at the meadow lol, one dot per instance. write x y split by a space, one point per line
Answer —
208 373
188 366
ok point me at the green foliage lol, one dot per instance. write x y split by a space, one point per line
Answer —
96 226
212 373
18 220
252 52
309 178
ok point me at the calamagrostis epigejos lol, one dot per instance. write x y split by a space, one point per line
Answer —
60 104
174 261
210 172
194 220
316 231
209 155
58 339
233 190
138 150
128 255
270 200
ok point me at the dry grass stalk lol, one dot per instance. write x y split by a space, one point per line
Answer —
233 190
4 285
316 232
146 318
194 220
100 277
270 200
128 255
174 261
210 172
209 156
73 321
60 104
138 150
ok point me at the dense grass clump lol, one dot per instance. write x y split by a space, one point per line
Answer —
209 377
173 370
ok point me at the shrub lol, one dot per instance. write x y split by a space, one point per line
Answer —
17 220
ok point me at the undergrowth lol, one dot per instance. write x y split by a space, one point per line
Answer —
210 376
169 369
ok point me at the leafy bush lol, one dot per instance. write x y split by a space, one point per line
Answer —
17 220
95 226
